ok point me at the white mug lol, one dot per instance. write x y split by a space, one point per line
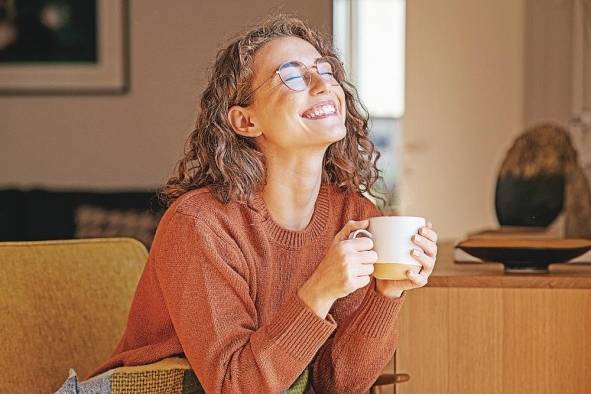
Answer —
392 241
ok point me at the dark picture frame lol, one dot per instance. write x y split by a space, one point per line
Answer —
107 73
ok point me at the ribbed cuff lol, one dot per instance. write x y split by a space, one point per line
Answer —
377 314
298 330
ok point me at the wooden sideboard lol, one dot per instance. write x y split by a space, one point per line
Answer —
475 329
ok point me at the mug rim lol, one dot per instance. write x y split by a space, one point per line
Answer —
400 217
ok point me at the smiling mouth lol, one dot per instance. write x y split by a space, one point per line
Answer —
320 110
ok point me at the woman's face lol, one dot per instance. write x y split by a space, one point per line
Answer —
290 119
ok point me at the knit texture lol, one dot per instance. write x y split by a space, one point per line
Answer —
220 286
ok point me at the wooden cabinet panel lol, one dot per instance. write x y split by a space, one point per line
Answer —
495 340
474 335
547 341
424 320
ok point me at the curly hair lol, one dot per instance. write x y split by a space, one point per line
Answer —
230 165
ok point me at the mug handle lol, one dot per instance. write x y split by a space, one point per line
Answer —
360 231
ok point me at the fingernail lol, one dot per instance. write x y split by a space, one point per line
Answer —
415 252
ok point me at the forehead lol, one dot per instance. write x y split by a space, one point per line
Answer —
280 50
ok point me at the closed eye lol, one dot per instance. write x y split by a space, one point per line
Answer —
292 78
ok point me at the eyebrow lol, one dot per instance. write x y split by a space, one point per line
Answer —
271 75
292 60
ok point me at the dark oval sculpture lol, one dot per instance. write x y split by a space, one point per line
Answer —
530 202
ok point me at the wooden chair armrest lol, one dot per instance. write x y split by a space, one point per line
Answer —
390 378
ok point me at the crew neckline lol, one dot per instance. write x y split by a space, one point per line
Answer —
295 239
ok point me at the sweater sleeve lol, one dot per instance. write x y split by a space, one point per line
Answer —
365 340
351 361
204 280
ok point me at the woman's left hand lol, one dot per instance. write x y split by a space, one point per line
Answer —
425 254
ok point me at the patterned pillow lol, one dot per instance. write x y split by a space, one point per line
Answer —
97 222
172 375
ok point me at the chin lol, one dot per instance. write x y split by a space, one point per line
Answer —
326 133
336 133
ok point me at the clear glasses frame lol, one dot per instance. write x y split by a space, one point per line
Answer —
329 68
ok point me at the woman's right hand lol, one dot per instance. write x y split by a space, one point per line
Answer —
347 266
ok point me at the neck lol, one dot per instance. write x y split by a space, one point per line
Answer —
293 183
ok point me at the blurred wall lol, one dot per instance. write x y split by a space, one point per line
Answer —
464 104
467 96
134 140
549 61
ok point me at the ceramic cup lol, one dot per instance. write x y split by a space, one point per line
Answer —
392 241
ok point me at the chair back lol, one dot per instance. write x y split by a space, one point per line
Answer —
63 304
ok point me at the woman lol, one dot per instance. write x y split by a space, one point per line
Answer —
251 274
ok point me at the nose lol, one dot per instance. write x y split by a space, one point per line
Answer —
318 85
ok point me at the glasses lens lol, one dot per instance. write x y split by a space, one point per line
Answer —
326 69
293 75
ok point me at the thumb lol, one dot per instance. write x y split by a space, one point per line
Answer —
349 227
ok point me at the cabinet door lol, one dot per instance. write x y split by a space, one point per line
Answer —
510 341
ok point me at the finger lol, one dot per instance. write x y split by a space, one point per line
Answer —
367 257
349 227
359 244
362 281
364 269
427 262
401 284
428 233
418 280
429 224
427 245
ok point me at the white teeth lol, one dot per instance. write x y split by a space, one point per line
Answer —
322 110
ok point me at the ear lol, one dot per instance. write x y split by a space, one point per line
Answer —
240 120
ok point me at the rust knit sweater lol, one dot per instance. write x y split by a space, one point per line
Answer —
220 286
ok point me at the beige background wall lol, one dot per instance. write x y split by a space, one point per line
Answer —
132 140
464 104
549 61
467 94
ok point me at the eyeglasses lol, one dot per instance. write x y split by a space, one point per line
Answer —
297 76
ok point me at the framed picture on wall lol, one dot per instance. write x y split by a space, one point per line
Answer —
64 47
